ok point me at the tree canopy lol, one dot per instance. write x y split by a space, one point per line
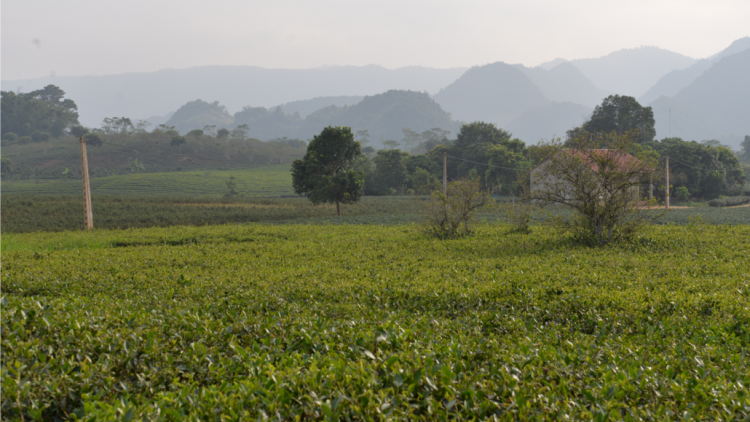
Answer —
325 173
42 111
621 114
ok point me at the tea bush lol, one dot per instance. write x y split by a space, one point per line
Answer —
347 322
730 202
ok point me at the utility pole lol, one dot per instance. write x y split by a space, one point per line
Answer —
666 188
651 187
445 173
88 214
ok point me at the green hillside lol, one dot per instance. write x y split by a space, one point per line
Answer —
260 181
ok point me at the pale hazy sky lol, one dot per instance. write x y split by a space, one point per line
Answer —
95 37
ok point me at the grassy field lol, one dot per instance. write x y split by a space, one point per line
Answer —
259 181
292 322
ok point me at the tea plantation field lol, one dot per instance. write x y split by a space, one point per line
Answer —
265 180
348 322
30 213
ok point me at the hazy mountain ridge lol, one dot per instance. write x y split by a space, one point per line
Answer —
307 107
565 83
716 105
533 103
198 114
631 71
139 95
548 121
495 93
671 83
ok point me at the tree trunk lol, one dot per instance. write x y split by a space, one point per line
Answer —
338 209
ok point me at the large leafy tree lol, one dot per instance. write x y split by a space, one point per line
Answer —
482 143
43 111
620 114
325 173
390 170
506 158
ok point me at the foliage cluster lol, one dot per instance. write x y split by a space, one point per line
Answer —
352 323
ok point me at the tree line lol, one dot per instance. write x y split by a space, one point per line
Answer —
702 170
37 116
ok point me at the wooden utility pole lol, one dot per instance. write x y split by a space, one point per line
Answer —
666 188
651 186
88 214
445 173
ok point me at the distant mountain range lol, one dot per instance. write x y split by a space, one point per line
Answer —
631 71
708 98
140 95
716 105
671 83
495 93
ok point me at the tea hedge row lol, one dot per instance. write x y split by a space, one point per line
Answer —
370 322
30 213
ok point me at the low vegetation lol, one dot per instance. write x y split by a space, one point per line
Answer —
257 181
730 202
28 213
32 213
362 323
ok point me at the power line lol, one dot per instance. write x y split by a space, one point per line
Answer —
488 165
697 168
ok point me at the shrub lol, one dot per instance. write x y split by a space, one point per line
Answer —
10 137
40 136
93 139
730 202
595 175
682 194
519 215
24 140
445 212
